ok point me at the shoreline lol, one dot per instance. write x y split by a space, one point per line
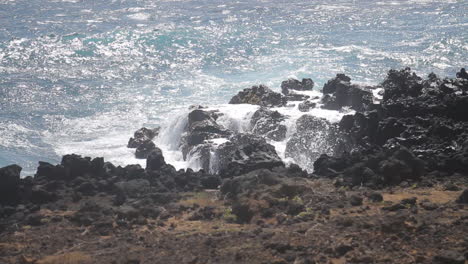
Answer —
389 183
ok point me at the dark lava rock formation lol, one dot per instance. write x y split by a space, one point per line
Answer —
417 130
389 185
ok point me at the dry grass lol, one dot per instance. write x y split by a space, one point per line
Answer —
67 258
203 199
435 196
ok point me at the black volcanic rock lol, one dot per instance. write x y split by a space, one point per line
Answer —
244 153
314 136
463 198
403 83
462 74
292 84
268 123
340 80
155 160
75 166
49 171
339 92
259 95
201 126
9 184
144 149
306 106
141 136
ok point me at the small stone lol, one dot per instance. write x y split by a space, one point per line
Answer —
355 200
375 197
463 198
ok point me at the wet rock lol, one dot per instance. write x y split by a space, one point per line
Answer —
293 84
463 198
403 83
306 106
339 92
155 160
314 136
462 74
339 80
327 165
449 257
201 129
268 123
144 149
10 184
259 95
142 136
244 153
202 126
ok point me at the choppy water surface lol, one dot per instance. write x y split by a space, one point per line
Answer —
81 76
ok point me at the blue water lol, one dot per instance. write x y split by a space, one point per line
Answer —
81 76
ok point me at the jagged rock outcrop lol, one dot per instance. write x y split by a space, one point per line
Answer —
339 92
142 136
10 184
268 123
292 84
259 95
244 153
421 117
314 136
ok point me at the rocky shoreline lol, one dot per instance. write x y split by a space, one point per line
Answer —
389 185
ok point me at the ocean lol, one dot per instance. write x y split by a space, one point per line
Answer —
80 76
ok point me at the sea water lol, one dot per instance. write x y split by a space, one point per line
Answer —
80 76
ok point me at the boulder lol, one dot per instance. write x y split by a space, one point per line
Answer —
400 84
462 74
201 126
259 95
463 198
141 136
50 171
293 84
306 106
144 149
244 153
75 166
332 85
10 184
314 136
155 160
268 123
